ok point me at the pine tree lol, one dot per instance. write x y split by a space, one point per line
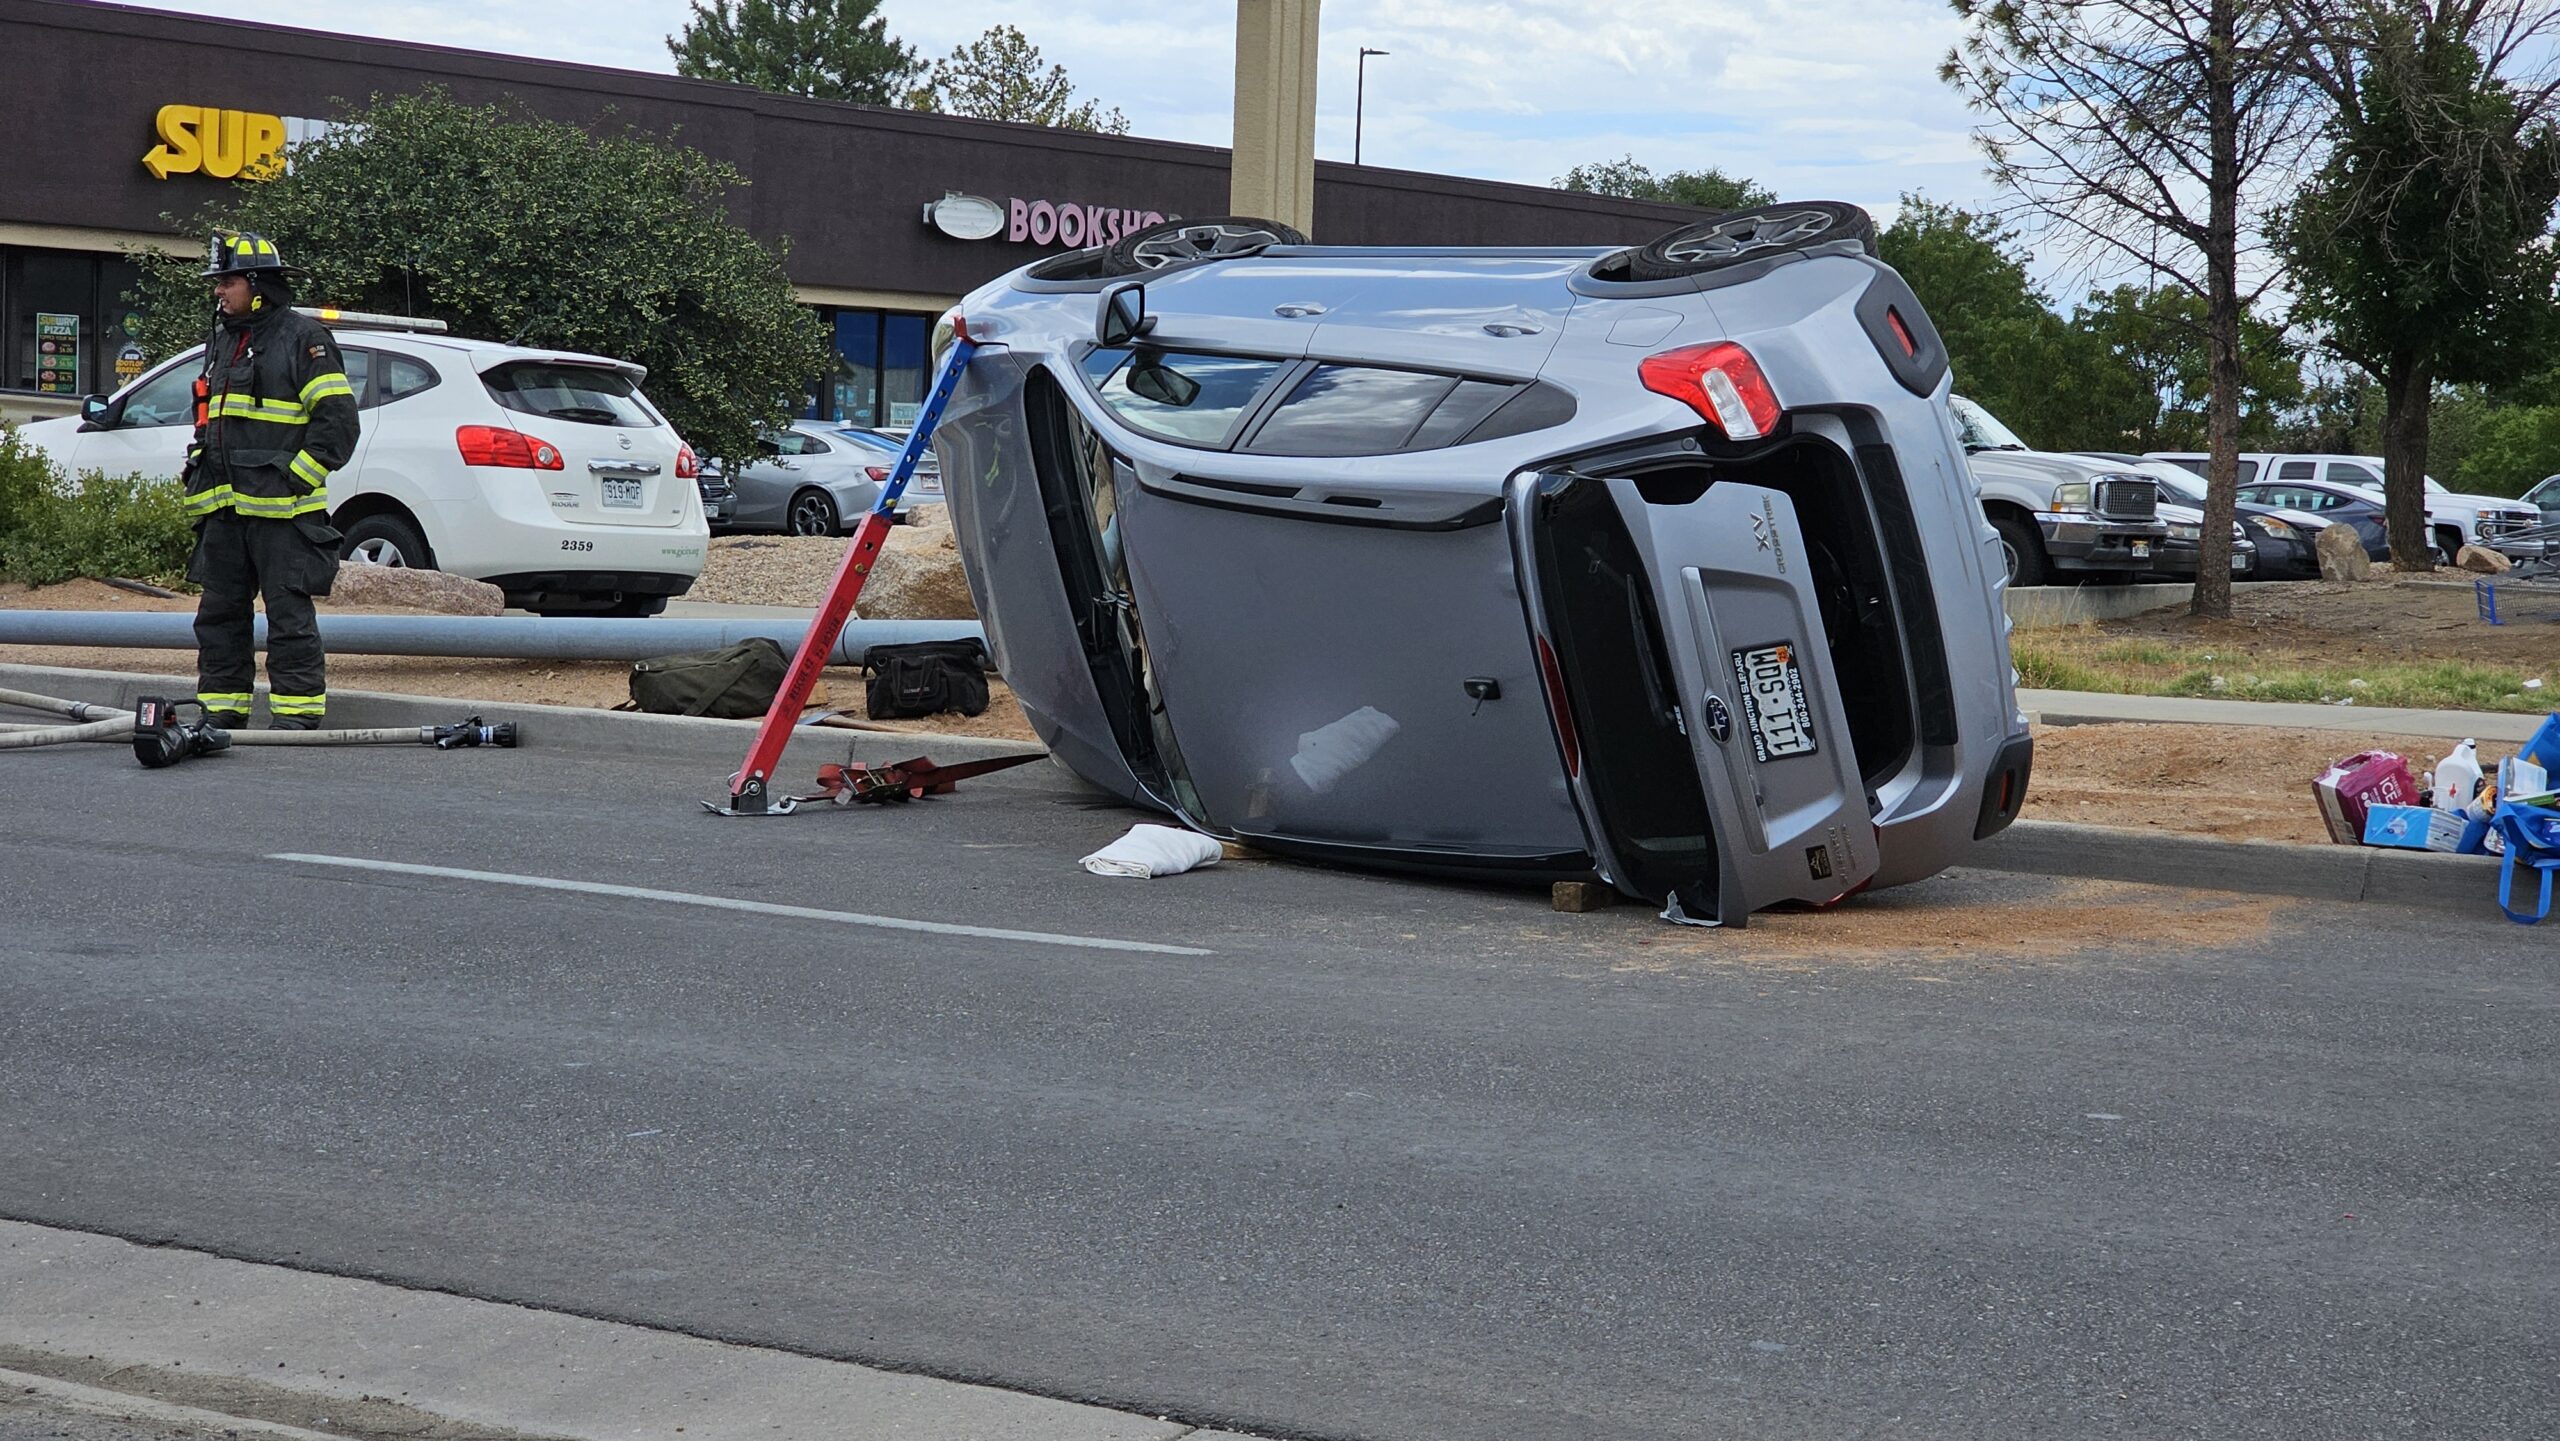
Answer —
998 77
821 49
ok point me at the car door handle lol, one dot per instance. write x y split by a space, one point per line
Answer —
622 467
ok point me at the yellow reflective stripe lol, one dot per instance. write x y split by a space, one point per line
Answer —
325 385
242 407
296 704
310 472
206 502
280 507
223 699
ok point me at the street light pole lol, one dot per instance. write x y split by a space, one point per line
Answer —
1360 100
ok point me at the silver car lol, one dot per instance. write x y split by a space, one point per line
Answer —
807 480
1661 564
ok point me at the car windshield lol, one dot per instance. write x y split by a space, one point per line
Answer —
1980 429
2176 482
870 439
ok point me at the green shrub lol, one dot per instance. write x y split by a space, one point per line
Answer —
125 526
27 478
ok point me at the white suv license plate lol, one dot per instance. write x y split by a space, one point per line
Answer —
1773 699
621 494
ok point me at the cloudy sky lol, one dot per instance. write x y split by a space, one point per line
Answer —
1817 99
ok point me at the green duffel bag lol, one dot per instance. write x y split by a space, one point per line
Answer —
735 682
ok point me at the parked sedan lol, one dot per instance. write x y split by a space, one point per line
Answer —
2333 502
821 478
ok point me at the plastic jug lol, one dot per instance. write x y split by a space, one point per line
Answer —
2457 777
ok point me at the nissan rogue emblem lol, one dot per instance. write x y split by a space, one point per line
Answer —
1719 720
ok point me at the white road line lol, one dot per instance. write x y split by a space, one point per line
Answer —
724 903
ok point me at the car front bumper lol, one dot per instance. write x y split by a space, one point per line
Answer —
2076 541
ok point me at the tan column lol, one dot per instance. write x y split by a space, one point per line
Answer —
1274 174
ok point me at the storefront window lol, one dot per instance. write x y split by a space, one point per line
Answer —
902 368
879 377
69 330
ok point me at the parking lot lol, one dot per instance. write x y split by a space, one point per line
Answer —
1277 1147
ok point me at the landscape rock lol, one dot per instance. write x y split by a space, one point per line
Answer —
2342 557
434 590
918 577
2482 560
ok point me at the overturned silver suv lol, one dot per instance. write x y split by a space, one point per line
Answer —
1662 564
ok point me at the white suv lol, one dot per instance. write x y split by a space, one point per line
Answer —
545 473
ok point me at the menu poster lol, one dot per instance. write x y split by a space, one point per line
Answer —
57 354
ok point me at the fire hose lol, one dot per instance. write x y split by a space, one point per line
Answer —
162 737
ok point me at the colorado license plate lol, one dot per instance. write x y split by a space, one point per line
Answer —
2142 550
621 494
1773 699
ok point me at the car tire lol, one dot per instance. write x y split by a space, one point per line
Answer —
812 512
386 540
2022 547
1738 237
1183 242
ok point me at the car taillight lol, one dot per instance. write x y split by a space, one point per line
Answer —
1721 382
687 467
879 473
513 449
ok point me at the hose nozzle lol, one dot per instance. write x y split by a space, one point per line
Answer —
471 732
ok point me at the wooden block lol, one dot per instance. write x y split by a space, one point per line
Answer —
1238 851
1581 896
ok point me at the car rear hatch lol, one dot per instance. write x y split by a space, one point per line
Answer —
1689 672
613 459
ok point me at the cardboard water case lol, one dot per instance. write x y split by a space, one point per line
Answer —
2347 790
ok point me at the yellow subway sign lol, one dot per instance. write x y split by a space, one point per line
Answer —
225 144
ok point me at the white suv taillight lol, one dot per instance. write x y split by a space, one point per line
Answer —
1721 382
513 449
687 466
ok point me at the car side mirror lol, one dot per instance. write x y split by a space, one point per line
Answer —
99 413
1150 378
1123 315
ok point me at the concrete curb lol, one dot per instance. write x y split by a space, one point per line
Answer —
2424 880
717 745
2043 607
279 1347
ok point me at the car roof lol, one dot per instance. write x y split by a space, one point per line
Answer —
483 353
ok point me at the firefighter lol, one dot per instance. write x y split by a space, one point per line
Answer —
274 415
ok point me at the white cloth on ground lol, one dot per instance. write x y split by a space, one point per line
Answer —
1150 851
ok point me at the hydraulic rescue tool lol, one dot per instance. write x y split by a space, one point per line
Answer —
751 788
855 783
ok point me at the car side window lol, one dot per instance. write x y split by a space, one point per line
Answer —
359 373
811 445
2297 470
164 399
397 377
2248 471
1351 410
1193 398
2347 473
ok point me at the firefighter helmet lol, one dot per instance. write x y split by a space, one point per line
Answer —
240 253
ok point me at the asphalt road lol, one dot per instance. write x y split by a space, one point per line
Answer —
1390 1159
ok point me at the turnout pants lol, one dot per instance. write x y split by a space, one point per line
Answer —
242 559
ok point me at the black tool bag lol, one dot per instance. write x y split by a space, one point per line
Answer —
925 678
732 683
